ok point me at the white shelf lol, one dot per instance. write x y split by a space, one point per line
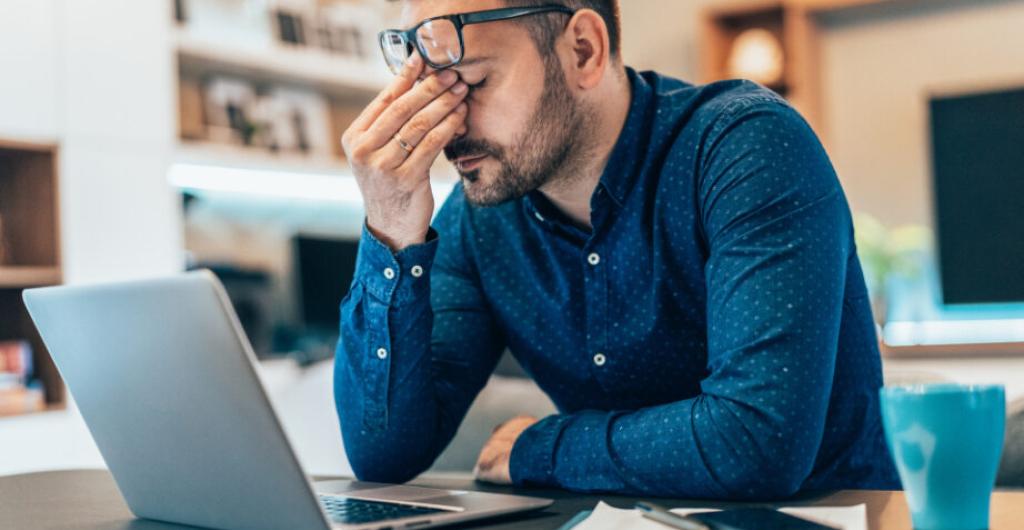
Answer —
239 157
220 169
279 63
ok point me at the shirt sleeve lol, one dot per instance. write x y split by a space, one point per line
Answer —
779 234
417 345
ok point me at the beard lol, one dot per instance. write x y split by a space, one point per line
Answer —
544 151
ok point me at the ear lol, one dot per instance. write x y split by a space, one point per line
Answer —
588 49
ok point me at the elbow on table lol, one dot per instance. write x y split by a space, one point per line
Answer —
370 469
769 479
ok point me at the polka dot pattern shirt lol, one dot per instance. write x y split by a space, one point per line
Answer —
711 337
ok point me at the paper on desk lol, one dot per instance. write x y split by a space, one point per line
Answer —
606 517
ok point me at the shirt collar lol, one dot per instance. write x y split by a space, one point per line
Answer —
625 161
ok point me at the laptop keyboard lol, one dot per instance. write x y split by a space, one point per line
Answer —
357 511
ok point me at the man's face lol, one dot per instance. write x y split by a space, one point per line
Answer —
522 115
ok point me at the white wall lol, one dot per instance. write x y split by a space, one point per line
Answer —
120 219
96 78
29 63
879 65
662 35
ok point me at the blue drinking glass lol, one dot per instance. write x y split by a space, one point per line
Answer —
946 440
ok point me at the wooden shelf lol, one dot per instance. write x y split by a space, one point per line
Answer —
23 277
797 26
966 351
304 66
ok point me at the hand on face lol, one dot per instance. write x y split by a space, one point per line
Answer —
394 141
493 463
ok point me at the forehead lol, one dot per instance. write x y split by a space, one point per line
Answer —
414 11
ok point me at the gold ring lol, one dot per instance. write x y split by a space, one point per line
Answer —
403 144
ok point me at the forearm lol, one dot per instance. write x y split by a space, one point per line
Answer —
704 447
416 346
390 429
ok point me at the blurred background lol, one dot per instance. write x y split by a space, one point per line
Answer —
150 137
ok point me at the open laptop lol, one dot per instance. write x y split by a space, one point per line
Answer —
165 379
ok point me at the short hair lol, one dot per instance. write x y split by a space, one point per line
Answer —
552 25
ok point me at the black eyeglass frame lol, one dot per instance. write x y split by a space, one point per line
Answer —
461 20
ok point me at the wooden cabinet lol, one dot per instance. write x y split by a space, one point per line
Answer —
29 250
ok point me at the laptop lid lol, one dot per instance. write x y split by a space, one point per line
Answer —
166 383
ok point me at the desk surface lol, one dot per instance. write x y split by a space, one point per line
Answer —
89 500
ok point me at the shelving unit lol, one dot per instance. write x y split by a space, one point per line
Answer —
346 84
31 258
308 67
796 26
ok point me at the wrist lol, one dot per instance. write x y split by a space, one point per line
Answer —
397 240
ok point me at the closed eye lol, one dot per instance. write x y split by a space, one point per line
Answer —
478 85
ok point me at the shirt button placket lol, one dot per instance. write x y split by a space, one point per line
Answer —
597 310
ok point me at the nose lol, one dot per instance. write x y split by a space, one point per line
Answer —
430 70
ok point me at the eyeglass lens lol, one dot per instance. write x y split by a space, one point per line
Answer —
396 50
439 40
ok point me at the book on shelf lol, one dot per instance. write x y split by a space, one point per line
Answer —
21 400
15 363
16 397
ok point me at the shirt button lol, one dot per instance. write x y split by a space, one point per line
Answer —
382 353
389 273
417 271
599 359
593 258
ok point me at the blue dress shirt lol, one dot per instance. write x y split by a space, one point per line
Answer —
711 337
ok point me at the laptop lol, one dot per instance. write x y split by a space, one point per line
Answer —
165 379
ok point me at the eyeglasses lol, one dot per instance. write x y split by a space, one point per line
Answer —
439 39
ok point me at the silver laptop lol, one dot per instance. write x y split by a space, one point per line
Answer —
165 379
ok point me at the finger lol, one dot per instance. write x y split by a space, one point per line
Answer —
487 455
404 82
432 144
496 472
392 155
425 120
408 104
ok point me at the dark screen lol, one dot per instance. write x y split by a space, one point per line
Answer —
978 165
324 270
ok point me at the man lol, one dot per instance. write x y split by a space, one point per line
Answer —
673 264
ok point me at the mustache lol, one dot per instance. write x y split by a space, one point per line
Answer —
463 147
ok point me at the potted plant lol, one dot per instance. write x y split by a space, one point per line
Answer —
888 253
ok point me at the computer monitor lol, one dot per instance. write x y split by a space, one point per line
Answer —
978 170
324 268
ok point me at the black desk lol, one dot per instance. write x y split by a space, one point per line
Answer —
89 500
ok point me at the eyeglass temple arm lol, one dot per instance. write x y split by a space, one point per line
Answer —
508 13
